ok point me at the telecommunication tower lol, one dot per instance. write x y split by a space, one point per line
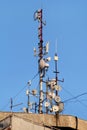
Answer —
48 97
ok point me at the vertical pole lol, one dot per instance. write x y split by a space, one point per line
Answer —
28 103
41 96
46 97
40 57
38 16
11 104
35 107
56 71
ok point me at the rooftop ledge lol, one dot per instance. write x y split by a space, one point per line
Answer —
64 121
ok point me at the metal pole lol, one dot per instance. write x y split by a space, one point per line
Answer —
56 71
38 16
11 104
40 57
28 103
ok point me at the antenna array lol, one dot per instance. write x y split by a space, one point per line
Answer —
49 99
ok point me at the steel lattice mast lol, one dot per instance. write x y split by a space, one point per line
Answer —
38 16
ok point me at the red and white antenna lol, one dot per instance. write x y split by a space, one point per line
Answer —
42 65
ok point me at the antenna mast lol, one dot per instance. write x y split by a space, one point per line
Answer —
41 63
53 103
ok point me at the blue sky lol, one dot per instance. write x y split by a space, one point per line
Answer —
66 22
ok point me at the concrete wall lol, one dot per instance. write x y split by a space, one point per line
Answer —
21 124
64 122
29 121
5 123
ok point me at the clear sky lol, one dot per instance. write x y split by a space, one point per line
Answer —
66 22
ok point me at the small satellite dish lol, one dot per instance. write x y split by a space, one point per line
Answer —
47 104
51 95
34 92
61 106
55 108
57 99
58 88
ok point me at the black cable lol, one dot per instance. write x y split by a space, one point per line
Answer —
34 76
25 86
20 91
75 97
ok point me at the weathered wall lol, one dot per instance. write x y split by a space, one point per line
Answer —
41 121
21 124
38 121
5 123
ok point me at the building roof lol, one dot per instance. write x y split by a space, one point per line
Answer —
61 121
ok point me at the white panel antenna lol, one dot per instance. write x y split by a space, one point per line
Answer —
34 92
27 92
58 88
47 104
51 95
35 52
47 47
